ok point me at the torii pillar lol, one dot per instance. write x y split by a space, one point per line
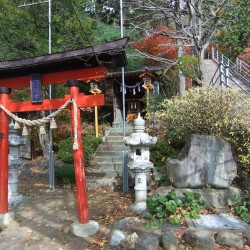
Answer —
5 216
83 227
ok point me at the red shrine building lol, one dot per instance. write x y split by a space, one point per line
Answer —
134 93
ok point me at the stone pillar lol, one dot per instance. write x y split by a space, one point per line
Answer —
140 190
15 141
140 164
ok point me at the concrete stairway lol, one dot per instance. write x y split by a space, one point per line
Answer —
209 70
229 74
107 162
234 79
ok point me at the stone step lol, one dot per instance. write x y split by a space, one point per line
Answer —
106 165
114 138
104 173
118 136
109 183
112 147
108 158
109 153
119 131
114 143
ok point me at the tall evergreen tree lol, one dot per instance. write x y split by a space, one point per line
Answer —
234 30
24 29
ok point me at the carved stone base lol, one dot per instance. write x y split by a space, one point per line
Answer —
138 207
84 229
15 199
5 219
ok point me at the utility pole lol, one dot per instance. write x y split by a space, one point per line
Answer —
125 153
51 152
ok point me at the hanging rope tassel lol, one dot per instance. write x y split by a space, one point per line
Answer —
53 123
17 125
42 130
134 91
25 131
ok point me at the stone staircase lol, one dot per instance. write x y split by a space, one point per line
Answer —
107 163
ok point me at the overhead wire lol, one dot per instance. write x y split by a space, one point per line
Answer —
86 36
41 12
81 25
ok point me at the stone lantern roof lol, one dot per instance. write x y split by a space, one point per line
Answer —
139 137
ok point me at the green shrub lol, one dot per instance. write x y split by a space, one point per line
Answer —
158 156
65 151
242 205
210 111
90 144
65 174
189 66
160 152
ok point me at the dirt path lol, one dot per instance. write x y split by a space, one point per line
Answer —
43 218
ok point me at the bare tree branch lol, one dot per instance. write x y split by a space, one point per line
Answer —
194 22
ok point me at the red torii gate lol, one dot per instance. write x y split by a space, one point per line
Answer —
112 54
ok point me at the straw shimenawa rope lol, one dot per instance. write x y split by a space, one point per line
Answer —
48 118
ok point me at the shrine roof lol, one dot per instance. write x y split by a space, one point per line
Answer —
110 55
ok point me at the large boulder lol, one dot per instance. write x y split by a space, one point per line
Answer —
204 161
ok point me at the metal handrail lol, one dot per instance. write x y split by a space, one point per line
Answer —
220 58
243 67
225 74
239 69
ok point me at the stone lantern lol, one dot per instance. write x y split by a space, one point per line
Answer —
139 143
15 141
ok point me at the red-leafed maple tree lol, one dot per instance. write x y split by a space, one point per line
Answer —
246 54
157 45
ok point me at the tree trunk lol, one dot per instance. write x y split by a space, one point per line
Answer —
182 83
201 54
